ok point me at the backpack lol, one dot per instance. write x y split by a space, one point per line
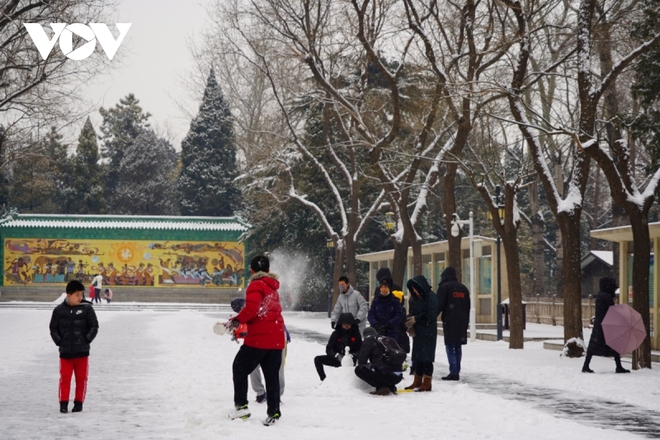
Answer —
393 355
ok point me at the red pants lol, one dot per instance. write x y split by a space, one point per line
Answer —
80 367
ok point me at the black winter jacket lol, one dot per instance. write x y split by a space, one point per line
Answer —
73 328
604 299
372 352
454 304
425 312
340 338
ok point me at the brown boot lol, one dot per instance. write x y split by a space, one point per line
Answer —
417 382
426 384
382 391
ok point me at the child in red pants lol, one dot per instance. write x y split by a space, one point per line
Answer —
73 327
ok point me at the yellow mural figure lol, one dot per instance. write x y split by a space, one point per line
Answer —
124 262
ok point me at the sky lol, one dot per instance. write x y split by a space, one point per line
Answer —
166 375
151 61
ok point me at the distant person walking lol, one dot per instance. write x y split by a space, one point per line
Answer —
454 304
97 282
597 344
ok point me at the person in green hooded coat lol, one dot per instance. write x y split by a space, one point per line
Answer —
422 325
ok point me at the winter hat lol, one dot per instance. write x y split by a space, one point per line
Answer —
260 263
370 331
383 272
608 284
237 304
386 282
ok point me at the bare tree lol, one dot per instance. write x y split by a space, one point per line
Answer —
34 92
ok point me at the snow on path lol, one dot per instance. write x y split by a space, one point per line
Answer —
165 375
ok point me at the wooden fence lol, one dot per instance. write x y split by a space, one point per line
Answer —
550 309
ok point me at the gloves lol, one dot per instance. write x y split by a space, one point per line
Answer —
333 324
410 322
357 322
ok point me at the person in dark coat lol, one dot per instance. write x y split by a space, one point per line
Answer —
73 327
402 336
346 334
454 304
423 326
597 344
373 369
386 313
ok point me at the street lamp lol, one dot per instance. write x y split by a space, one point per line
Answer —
389 222
500 210
330 246
455 230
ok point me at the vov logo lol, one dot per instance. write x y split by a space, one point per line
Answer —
64 32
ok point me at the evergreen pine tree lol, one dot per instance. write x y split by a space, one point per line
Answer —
86 196
39 181
121 126
208 156
148 177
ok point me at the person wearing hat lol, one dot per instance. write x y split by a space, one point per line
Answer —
263 343
256 380
373 369
386 313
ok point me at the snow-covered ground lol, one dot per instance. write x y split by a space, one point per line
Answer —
166 375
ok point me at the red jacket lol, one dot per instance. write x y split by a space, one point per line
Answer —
263 313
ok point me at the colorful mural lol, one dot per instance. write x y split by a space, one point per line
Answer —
124 262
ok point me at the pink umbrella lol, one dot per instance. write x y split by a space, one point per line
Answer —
623 328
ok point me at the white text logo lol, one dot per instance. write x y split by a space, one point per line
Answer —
91 33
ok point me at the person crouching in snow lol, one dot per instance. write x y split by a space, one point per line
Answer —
264 341
73 327
423 327
372 367
346 334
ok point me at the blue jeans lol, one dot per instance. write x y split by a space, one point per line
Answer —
454 355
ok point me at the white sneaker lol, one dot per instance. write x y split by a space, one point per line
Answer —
270 420
240 412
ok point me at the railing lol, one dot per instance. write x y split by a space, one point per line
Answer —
550 309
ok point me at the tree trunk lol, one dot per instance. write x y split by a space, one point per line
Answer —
570 228
538 243
641 262
511 251
400 260
453 258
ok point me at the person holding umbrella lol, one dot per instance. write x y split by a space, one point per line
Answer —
597 344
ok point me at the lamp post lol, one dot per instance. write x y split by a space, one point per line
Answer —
473 297
500 210
330 245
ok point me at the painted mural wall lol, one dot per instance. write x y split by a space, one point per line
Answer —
124 262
